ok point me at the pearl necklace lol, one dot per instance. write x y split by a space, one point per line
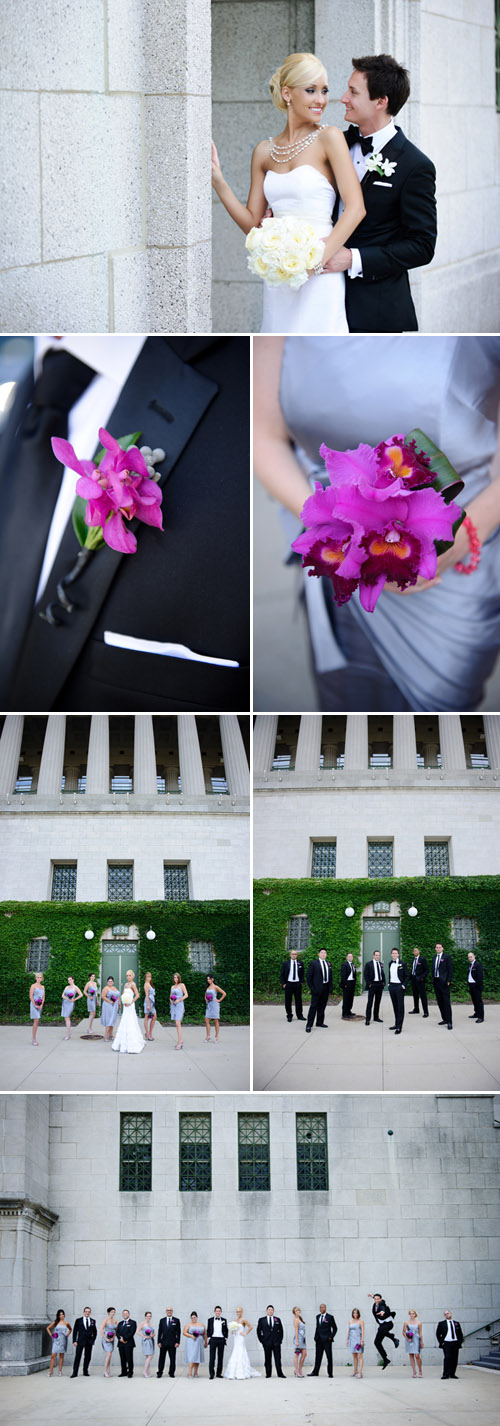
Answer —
290 150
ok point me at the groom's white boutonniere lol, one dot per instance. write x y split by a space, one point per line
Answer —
376 164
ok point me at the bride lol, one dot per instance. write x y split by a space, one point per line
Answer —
238 1367
299 174
129 1038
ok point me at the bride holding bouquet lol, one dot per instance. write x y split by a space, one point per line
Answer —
298 176
129 1040
238 1367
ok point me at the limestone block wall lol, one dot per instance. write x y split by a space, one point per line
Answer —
412 1214
106 186
24 1159
215 846
286 822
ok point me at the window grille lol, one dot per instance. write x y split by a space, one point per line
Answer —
254 1164
136 1153
38 954
176 883
63 882
201 956
120 881
464 933
312 1152
324 859
195 1153
380 859
437 859
298 933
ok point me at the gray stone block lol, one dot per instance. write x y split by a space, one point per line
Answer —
237 306
163 290
20 239
91 149
240 30
66 51
177 169
159 45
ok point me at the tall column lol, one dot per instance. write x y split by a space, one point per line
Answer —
356 742
51 766
10 748
264 742
451 741
98 754
404 746
309 743
191 766
233 752
144 754
491 722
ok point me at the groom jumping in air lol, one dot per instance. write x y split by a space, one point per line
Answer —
399 229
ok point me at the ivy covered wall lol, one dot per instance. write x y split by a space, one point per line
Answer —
438 900
176 923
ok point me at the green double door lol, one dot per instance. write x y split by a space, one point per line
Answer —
117 958
380 933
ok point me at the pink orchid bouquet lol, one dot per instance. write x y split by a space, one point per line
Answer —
115 487
386 514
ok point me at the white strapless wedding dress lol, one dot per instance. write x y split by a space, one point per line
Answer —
319 306
238 1367
129 1039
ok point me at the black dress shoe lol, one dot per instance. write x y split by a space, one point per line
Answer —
313 1373
449 1026
308 1029
301 1017
471 1017
322 1027
73 1376
398 1032
426 1014
378 1019
478 1022
392 1027
384 1365
441 1022
413 1012
396 1341
289 1018
367 1022
281 1375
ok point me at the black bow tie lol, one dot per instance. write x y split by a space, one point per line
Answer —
353 136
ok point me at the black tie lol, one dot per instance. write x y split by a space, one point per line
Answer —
353 136
452 1330
30 479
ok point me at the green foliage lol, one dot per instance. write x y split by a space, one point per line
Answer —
225 923
438 900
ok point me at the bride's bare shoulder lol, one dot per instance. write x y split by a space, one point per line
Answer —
261 151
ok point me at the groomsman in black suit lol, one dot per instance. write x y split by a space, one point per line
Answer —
475 983
126 1342
292 975
169 1336
419 973
374 981
348 975
270 1335
217 1333
326 1328
384 1317
84 1335
398 976
319 980
450 1337
442 973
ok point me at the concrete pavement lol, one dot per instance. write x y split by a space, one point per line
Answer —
79 1063
348 1056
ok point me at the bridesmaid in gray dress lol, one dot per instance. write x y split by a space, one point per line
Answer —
147 1332
356 1341
110 1003
59 1331
412 1333
70 995
37 997
91 991
195 1333
212 1006
178 994
432 647
108 1333
300 1349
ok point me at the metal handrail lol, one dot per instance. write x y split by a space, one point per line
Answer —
485 1326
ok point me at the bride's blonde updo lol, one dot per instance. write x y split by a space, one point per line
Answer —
297 70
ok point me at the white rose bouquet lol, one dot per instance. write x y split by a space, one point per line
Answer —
128 995
283 250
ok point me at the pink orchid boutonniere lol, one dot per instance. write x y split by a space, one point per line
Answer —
118 486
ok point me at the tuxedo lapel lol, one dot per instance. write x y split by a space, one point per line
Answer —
392 150
165 399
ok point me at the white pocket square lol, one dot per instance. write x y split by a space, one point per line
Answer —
379 183
167 650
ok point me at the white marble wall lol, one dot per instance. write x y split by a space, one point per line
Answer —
106 186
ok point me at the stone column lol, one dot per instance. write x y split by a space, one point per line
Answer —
191 766
356 742
491 723
10 748
404 746
144 754
98 754
264 742
309 743
451 741
233 752
51 766
430 754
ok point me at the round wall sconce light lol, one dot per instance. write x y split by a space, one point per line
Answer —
412 911
89 935
349 911
151 935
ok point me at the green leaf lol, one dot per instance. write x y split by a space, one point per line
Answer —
95 537
78 519
444 472
124 441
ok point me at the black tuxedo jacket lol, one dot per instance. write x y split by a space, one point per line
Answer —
445 969
169 1336
79 1333
345 971
314 977
398 232
325 1331
421 970
270 1336
188 584
442 1328
477 973
381 1312
225 1328
369 974
285 970
402 973
127 1330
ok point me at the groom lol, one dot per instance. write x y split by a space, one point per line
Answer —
399 229
270 1335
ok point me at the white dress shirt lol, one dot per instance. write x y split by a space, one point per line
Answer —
451 1335
470 976
379 140
393 973
351 970
377 971
217 1328
293 973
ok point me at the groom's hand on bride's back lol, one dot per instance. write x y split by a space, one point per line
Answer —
340 262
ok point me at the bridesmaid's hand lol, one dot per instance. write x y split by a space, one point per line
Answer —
459 550
216 168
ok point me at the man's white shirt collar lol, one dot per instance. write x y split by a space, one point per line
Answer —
382 136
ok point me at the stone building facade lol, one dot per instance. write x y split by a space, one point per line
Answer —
171 1173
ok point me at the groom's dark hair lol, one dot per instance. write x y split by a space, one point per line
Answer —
384 76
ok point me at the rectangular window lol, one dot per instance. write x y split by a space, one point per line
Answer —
136 1153
120 881
176 883
437 859
380 859
298 933
254 1162
39 954
195 1153
464 933
63 882
324 859
201 956
312 1152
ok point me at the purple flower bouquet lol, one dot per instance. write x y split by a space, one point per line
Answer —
113 995
410 1334
149 1331
69 995
38 999
110 1334
209 995
386 514
92 990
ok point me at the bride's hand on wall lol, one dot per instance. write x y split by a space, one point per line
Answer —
216 168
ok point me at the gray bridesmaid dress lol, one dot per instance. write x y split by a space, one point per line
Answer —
435 649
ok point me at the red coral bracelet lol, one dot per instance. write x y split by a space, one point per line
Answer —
475 549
